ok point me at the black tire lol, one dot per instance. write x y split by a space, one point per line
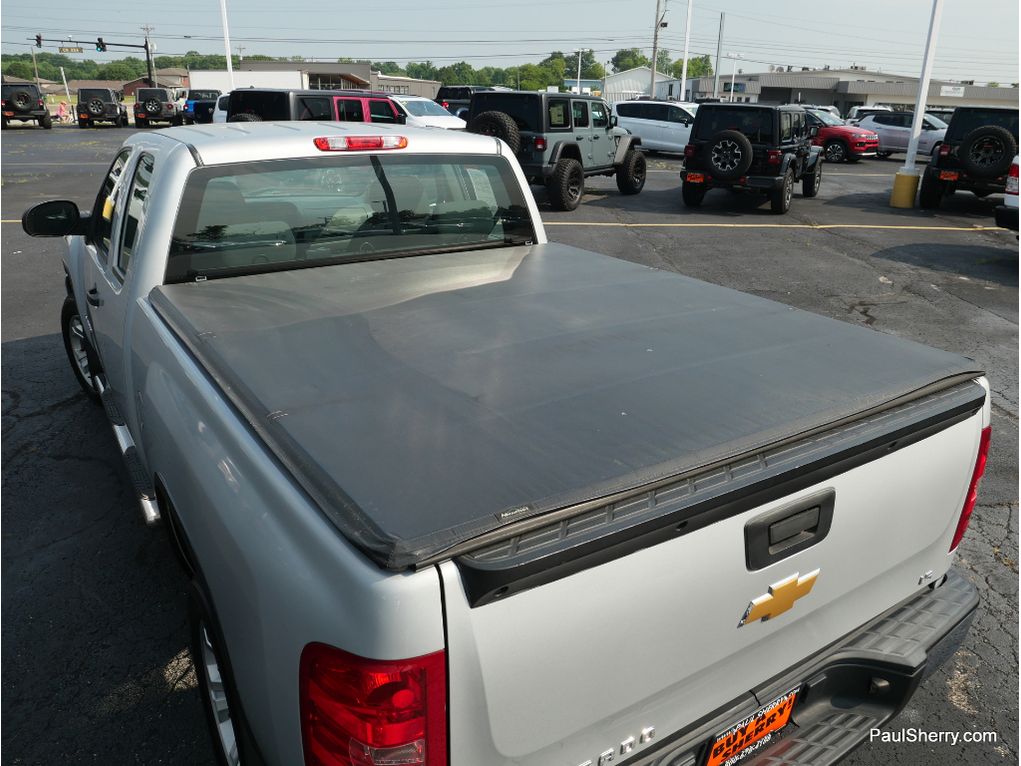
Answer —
245 117
4 124
153 106
79 351
46 123
883 155
567 185
207 642
780 199
83 123
95 107
122 121
836 151
141 123
987 151
810 183
931 190
23 101
728 154
692 194
499 125
631 172
178 120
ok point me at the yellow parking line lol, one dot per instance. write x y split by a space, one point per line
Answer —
774 226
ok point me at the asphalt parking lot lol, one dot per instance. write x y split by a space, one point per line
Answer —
95 665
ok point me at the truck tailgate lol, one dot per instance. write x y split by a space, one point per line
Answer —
573 666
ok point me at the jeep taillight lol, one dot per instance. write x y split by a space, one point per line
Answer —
170 106
540 144
689 151
1012 180
41 103
361 712
773 156
972 496
944 150
445 104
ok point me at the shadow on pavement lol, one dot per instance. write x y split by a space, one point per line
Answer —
992 264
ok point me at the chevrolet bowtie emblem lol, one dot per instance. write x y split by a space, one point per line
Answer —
779 598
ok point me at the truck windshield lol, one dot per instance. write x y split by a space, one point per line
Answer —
270 216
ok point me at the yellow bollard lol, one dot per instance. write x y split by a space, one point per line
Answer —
905 185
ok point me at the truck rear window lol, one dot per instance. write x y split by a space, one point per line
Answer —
269 216
756 124
203 95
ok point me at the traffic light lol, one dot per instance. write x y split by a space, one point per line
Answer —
38 41
100 45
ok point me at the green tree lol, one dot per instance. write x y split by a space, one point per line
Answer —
19 69
422 70
663 61
992 85
388 67
628 58
700 66
461 73
119 70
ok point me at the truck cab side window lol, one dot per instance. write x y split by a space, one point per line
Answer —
136 205
102 211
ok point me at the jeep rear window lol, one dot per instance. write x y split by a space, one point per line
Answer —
966 120
9 90
144 94
525 111
88 94
289 214
756 124
268 106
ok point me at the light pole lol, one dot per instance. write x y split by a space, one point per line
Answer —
733 72
226 42
684 66
655 45
578 81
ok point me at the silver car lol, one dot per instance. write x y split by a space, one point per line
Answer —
894 131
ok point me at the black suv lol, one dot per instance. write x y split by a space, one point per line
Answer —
456 99
156 105
100 105
559 139
748 147
24 102
975 155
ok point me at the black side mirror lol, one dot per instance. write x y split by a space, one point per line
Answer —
57 218
402 119
813 131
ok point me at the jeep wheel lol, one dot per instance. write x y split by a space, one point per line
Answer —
95 107
810 183
153 106
692 194
122 121
988 151
46 122
567 184
835 151
631 172
729 154
931 191
499 125
780 199
141 123
83 123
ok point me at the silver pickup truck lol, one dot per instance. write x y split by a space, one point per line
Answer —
449 494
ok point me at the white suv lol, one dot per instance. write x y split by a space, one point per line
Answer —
894 131
662 125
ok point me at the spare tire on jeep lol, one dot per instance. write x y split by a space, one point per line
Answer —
987 151
23 101
499 125
95 107
728 154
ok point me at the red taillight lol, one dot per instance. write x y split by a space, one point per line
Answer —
358 143
689 151
972 496
41 103
773 156
1012 180
540 143
361 712
170 106
445 104
944 150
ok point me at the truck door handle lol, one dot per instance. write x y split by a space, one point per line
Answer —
92 296
595 138
580 138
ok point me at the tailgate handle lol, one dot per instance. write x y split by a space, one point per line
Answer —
784 531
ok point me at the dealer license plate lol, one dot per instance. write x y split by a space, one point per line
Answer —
947 175
749 734
695 178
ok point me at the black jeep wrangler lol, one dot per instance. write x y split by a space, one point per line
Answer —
748 147
559 139
24 102
156 105
975 155
100 105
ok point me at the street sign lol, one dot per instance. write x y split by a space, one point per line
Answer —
71 49
954 91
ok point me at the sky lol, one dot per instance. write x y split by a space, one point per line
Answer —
977 41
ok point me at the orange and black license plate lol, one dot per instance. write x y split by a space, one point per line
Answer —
749 734
948 175
695 178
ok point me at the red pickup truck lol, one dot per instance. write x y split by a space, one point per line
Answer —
840 142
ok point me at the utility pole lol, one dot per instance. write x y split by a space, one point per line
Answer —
35 67
226 42
719 52
684 66
578 81
66 91
240 51
148 57
655 47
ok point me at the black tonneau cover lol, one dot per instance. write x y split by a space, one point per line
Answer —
423 401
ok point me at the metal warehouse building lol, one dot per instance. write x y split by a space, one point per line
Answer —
842 88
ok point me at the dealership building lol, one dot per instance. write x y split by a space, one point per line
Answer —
842 88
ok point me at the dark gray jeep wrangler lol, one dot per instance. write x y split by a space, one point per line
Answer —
100 105
559 139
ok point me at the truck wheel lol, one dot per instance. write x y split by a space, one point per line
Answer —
499 125
79 350
883 155
780 199
631 172
810 184
692 194
835 151
141 122
930 193
232 738
566 185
